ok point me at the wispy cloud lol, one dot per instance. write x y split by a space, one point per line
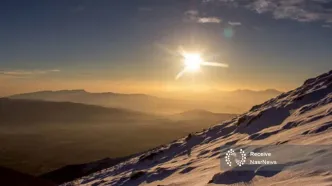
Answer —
193 16
209 20
190 16
25 73
234 23
299 10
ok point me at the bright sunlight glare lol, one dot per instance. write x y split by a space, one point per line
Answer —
192 62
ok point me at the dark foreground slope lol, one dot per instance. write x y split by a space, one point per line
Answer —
9 177
302 117
71 172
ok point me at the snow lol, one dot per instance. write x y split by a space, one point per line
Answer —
302 117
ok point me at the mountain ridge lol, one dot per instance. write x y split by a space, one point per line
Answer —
230 102
302 116
270 90
80 112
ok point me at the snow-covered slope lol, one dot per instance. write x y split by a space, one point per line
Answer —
302 116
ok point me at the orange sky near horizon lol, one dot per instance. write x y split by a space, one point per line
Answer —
156 80
14 85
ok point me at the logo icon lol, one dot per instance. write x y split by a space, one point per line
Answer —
231 154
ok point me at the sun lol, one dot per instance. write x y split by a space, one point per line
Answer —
192 61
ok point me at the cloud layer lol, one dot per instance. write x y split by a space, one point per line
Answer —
193 16
299 10
234 23
209 20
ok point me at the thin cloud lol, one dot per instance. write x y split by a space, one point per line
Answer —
234 23
24 73
209 20
194 17
299 10
190 16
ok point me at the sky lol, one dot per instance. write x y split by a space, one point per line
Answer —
132 46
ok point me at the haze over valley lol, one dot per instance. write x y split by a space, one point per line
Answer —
40 136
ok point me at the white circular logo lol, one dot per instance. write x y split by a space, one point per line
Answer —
231 153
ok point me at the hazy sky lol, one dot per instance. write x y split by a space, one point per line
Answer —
127 45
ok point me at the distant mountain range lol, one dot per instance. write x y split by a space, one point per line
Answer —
267 91
28 112
219 101
23 111
39 136
139 102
